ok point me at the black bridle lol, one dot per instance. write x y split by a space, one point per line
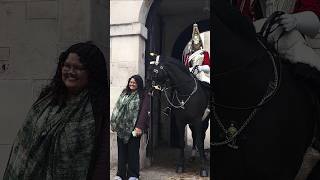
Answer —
158 86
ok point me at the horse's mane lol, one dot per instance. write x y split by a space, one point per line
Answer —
172 61
234 33
234 20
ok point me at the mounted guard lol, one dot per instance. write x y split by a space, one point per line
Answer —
196 58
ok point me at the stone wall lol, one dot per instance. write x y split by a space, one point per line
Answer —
32 35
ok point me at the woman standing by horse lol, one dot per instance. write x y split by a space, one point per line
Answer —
125 120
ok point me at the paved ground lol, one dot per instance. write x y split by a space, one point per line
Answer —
163 167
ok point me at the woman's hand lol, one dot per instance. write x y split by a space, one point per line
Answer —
138 131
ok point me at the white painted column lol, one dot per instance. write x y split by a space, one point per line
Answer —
127 51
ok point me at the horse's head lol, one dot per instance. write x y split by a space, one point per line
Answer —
156 74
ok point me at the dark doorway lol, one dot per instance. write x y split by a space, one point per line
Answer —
169 25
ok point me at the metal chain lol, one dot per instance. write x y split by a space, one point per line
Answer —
268 93
180 102
245 124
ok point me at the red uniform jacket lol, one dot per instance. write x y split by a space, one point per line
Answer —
206 60
301 5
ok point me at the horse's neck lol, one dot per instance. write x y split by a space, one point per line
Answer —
180 80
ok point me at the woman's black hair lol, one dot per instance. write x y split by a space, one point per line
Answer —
94 62
139 82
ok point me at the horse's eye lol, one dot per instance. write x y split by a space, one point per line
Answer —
161 67
155 71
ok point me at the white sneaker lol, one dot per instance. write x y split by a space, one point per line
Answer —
117 178
133 178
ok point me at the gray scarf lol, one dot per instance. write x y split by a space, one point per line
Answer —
54 143
125 114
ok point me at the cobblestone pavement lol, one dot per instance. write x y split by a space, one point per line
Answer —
163 167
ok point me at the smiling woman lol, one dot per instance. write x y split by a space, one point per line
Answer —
64 134
125 120
133 84
74 74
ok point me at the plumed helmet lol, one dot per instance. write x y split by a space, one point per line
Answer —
196 39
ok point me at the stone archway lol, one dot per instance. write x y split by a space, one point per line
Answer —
168 30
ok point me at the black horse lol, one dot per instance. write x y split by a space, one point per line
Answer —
190 99
264 113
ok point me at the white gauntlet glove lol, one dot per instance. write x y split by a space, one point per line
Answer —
288 22
204 68
307 22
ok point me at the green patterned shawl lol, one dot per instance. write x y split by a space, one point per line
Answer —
53 143
125 114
